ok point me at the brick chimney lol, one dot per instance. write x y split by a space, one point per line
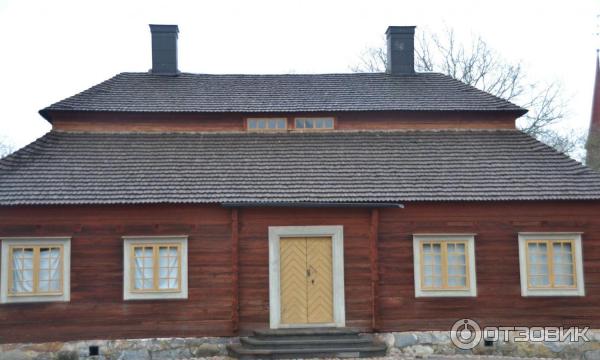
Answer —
400 50
164 49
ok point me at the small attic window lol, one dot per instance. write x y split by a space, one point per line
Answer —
266 124
316 123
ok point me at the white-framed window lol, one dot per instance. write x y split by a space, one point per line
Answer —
266 124
551 264
314 123
155 267
35 269
444 265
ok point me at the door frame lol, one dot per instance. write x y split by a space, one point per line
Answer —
336 232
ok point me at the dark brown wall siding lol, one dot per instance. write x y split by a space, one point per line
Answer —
182 122
499 300
254 259
98 311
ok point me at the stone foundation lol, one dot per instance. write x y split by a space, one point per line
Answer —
410 344
423 344
140 349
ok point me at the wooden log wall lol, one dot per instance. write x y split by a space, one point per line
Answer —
196 122
380 297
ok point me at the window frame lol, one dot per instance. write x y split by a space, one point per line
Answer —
266 129
470 290
9 244
550 238
314 118
130 242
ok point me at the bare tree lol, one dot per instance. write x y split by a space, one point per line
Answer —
479 65
5 147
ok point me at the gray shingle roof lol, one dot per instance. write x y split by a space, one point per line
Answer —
101 168
145 92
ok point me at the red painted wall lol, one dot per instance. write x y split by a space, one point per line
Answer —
97 310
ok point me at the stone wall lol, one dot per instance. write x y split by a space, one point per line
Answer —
140 349
410 344
422 344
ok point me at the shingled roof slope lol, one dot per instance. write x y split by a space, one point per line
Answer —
145 92
127 168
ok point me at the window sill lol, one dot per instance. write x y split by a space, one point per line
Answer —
13 299
552 292
155 295
445 293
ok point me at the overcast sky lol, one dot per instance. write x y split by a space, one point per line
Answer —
54 49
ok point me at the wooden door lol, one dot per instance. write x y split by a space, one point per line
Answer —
306 280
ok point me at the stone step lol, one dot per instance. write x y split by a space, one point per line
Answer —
372 350
312 341
299 332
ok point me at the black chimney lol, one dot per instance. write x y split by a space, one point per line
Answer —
400 50
164 49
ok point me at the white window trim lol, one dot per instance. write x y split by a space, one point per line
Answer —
139 240
336 232
470 239
576 237
65 242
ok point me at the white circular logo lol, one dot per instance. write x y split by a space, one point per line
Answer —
465 334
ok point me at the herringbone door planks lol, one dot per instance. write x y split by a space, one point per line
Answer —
293 281
320 280
306 280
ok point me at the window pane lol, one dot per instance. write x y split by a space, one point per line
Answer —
143 264
50 271
564 280
457 270
272 124
427 270
299 124
308 124
22 272
538 264
437 269
168 274
454 281
426 248
281 124
329 123
319 124
252 124
261 124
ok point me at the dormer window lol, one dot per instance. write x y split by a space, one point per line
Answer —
316 123
266 124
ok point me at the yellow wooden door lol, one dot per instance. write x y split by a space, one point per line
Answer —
293 280
306 280
320 280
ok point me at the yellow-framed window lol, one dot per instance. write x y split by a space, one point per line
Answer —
35 270
444 265
266 124
551 264
317 123
155 267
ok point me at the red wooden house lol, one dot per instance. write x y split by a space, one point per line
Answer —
165 203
